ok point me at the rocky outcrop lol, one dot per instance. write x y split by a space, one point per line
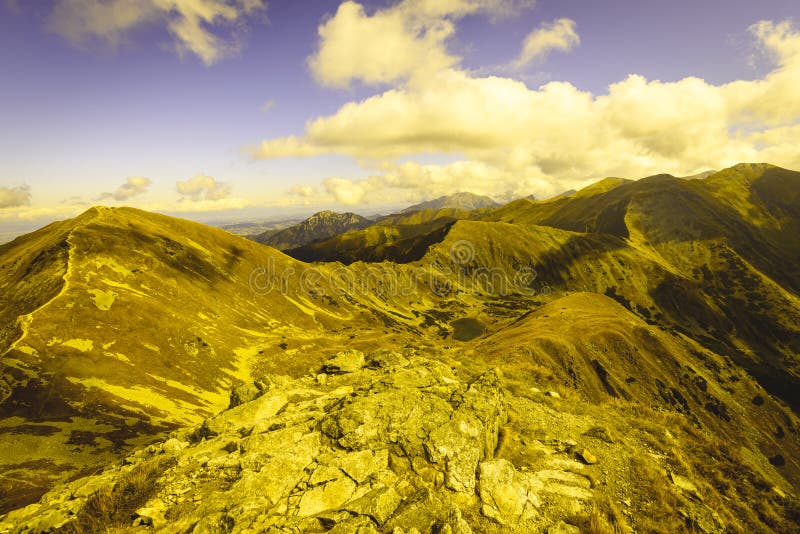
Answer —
319 226
385 443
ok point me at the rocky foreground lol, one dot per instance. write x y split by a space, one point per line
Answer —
389 442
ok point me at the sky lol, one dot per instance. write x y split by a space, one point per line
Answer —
256 109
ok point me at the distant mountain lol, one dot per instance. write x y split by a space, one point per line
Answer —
401 237
699 176
317 227
566 193
461 201
256 228
622 359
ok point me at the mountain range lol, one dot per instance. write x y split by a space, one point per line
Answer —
623 357
319 226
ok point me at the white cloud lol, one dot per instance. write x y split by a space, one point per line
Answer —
558 35
412 181
133 186
545 140
13 197
406 41
305 191
202 187
190 21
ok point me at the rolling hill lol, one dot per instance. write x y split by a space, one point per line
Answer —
642 338
121 324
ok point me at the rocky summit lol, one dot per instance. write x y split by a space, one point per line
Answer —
395 442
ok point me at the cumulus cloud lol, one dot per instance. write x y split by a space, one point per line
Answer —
413 181
14 197
302 191
401 42
189 21
559 35
133 186
556 136
202 187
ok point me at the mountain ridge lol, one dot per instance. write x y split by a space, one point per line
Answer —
666 298
319 226
462 201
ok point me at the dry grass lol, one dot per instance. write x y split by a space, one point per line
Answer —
114 506
605 518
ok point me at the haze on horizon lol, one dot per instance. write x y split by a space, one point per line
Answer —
216 107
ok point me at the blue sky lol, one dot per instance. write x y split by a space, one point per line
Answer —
408 100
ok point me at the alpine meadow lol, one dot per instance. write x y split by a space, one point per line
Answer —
399 266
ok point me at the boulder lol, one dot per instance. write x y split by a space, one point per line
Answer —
328 496
379 504
348 361
242 418
587 457
244 393
505 494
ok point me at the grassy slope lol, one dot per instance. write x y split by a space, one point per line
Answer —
137 323
705 289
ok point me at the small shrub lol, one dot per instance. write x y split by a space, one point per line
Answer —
114 506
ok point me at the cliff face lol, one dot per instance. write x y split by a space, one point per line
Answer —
395 442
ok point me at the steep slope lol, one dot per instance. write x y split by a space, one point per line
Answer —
403 441
319 226
658 304
461 201
400 238
122 324
729 250
423 216
591 344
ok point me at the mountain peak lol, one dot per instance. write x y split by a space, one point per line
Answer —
463 200
321 225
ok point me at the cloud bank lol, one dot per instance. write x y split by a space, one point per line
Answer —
202 187
13 197
513 138
398 43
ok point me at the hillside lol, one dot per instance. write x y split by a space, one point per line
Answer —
123 324
401 238
317 227
397 441
651 323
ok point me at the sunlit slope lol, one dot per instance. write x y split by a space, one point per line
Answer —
753 207
594 346
31 273
727 250
500 258
577 212
129 323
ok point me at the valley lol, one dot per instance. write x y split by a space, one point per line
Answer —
663 311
